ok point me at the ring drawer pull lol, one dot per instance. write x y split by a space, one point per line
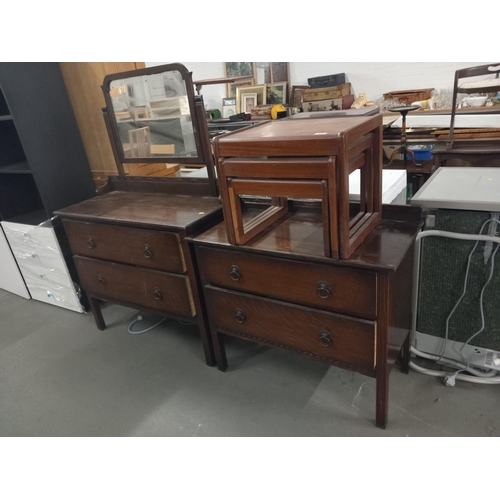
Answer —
323 290
157 294
235 273
325 338
240 316
90 242
148 251
101 280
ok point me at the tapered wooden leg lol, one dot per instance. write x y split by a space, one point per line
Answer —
95 307
220 351
206 340
382 369
382 403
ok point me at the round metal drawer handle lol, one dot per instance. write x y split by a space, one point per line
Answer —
235 273
239 316
148 251
323 290
325 338
101 280
90 242
157 294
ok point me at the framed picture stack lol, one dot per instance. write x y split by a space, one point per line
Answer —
270 80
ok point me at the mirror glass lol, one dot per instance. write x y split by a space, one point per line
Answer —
153 116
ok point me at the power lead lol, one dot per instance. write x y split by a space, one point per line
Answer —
450 380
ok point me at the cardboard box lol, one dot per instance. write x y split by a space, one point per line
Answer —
326 93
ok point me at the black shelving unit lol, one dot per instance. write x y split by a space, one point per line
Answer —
43 165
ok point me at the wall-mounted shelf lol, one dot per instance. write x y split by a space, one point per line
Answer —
4 118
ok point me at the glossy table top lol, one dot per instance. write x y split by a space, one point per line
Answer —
300 235
319 129
144 209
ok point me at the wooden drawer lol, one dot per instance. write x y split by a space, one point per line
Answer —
333 288
140 247
143 287
333 338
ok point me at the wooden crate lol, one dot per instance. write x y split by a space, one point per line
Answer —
326 93
409 96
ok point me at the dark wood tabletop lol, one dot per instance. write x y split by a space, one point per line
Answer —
294 137
300 235
145 209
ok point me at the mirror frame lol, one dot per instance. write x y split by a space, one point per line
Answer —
198 119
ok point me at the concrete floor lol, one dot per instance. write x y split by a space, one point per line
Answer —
60 376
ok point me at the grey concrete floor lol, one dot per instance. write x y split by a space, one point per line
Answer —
60 376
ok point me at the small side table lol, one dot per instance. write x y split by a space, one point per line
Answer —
404 110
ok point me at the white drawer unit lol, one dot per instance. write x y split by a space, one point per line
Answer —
42 264
11 278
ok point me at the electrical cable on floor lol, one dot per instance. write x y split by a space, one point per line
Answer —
139 318
478 377
450 380
465 378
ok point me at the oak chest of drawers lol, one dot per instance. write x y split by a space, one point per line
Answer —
279 290
130 248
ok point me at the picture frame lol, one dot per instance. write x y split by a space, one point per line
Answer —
262 73
296 95
260 90
271 72
229 110
231 87
239 69
280 72
276 93
248 102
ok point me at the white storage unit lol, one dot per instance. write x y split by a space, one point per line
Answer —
42 264
393 186
11 278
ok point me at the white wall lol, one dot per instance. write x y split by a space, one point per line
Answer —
372 78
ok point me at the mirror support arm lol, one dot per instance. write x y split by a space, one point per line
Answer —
119 165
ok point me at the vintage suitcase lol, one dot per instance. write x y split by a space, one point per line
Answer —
319 82
326 93
329 104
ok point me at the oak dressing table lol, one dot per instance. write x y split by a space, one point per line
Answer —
129 242
280 290
322 277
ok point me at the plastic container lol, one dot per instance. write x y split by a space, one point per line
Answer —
421 153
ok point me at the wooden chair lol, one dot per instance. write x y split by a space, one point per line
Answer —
140 142
474 151
488 69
